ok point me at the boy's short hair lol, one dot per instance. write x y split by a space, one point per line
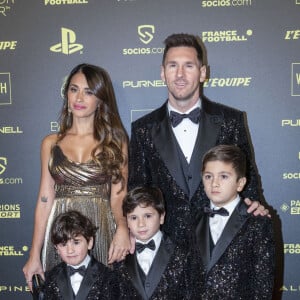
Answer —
144 196
69 225
227 154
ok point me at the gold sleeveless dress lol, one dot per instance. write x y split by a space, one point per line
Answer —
81 187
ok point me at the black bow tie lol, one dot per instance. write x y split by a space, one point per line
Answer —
212 212
141 247
80 270
176 117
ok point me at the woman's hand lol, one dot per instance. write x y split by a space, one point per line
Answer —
32 266
120 245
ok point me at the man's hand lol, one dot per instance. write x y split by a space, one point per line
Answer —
256 208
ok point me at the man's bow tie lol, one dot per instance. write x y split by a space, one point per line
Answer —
176 117
80 270
141 247
212 212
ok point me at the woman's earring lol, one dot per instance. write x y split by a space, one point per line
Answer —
98 110
69 116
69 109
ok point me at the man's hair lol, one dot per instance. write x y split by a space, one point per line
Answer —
69 225
183 40
145 197
227 154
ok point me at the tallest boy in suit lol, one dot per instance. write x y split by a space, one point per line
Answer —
169 155
236 248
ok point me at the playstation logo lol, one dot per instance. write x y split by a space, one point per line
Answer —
67 45
146 33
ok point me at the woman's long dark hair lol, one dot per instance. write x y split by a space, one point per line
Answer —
108 128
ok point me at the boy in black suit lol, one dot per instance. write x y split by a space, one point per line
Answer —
158 269
79 276
237 248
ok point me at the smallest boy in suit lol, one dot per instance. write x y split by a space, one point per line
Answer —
79 276
237 248
158 269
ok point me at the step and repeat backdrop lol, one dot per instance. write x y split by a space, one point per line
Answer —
253 53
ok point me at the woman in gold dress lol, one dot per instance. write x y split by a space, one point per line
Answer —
83 167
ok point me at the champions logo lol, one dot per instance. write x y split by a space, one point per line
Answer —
146 35
295 88
291 249
226 3
225 36
5 6
63 2
5 89
228 82
6 180
11 251
293 208
67 45
10 211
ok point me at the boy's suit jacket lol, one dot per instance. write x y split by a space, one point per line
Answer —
241 264
174 274
155 158
98 283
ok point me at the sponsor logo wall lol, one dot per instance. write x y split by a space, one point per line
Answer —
254 65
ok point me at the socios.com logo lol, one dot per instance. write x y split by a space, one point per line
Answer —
68 43
3 164
8 180
146 33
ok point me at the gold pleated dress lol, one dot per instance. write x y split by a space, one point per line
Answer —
82 187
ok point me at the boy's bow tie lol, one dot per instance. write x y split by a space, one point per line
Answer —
81 270
141 247
212 212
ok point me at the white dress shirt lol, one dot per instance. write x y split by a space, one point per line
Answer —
77 278
218 222
186 132
145 258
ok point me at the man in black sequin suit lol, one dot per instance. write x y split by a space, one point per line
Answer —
170 156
